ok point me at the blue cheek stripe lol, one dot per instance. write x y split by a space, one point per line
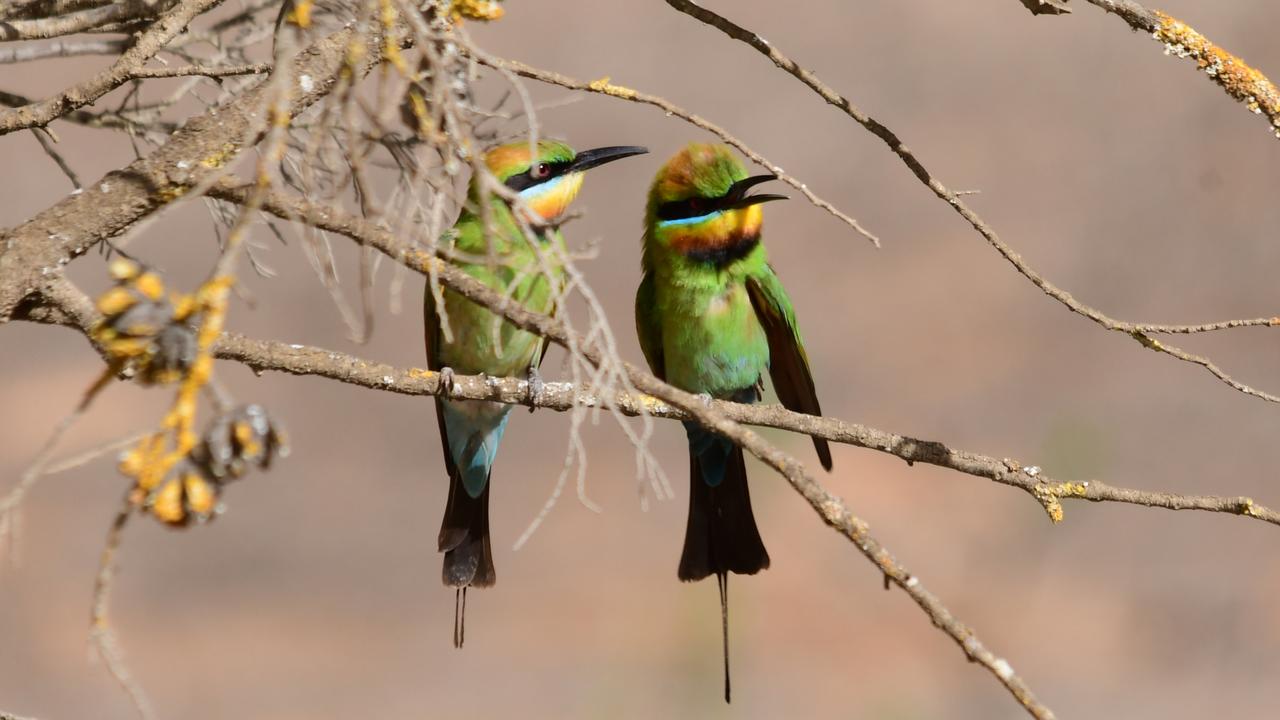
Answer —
689 220
530 193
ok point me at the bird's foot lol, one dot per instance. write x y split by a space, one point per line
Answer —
535 386
446 381
706 399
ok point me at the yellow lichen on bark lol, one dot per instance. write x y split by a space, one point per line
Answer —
1050 494
219 157
1234 75
604 86
391 41
477 10
300 14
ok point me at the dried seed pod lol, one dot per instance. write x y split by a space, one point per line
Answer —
140 327
186 493
237 439
175 351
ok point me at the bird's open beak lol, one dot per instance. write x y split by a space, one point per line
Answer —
737 196
588 159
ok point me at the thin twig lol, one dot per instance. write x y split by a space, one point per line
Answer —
195 154
46 142
100 633
77 22
88 456
61 49
11 503
201 70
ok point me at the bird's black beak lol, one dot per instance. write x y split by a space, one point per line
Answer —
737 196
588 159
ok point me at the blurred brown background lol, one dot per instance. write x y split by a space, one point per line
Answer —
1121 174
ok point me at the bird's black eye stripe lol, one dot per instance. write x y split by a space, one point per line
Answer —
687 208
526 179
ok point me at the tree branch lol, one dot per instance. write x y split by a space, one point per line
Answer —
62 304
174 21
562 396
1236 77
1138 331
40 28
194 154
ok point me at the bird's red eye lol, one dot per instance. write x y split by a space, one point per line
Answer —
541 171
695 204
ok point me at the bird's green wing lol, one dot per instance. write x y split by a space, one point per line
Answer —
788 362
649 326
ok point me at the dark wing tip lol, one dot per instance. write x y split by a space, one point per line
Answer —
824 453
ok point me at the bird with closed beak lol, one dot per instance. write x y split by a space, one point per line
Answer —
547 177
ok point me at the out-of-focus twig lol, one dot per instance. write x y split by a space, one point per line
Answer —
47 144
61 49
204 71
57 24
193 154
129 120
100 632
167 27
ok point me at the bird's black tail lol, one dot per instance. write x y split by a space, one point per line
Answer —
721 536
464 540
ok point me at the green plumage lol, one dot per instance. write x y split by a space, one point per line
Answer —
515 270
467 338
697 326
713 318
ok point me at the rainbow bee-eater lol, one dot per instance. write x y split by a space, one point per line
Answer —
547 178
713 318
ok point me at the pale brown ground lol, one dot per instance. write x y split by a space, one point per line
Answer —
1121 174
